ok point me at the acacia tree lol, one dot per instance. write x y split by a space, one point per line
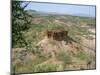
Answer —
20 23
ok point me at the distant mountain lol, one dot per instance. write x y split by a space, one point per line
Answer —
57 13
31 11
83 15
40 12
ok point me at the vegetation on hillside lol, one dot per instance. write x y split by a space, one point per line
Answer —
27 57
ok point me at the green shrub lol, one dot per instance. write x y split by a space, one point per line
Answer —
82 55
62 56
45 68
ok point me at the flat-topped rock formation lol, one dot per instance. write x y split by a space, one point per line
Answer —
58 35
55 41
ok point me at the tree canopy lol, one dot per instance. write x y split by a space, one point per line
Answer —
20 23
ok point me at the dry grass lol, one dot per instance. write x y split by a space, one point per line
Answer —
56 55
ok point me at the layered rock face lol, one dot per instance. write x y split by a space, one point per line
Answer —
55 41
56 34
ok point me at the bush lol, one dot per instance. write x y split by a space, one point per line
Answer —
82 55
45 68
62 56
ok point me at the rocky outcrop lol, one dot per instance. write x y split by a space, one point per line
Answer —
54 41
56 34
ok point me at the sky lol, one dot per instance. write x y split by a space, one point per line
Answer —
63 8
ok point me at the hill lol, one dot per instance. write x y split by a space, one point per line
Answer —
56 43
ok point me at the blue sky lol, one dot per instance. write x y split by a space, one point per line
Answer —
63 8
